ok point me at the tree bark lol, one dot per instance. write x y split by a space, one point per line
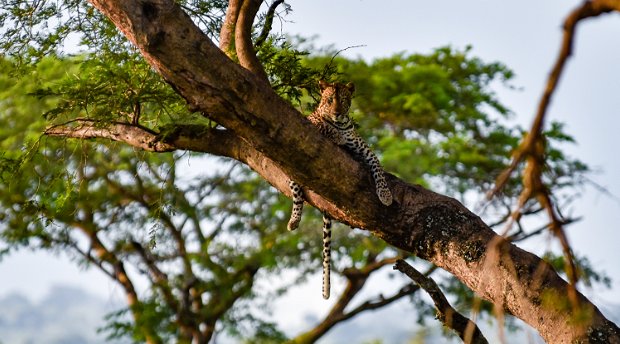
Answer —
280 143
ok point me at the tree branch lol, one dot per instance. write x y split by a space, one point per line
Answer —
243 39
268 23
117 131
227 32
532 146
586 10
197 138
467 330
283 145
121 276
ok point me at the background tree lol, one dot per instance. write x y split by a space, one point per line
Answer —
135 210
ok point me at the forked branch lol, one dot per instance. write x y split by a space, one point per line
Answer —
236 35
586 10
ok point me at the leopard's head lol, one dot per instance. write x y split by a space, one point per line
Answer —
335 101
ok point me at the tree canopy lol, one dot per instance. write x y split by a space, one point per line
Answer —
207 231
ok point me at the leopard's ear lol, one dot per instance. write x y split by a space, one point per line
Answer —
323 84
350 87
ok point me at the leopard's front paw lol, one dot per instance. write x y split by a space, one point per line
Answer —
293 223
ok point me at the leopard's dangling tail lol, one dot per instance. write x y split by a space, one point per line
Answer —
327 244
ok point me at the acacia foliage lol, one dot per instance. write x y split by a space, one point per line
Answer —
219 230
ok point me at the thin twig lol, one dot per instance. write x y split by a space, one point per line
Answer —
329 65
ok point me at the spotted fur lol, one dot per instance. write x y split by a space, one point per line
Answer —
327 244
332 119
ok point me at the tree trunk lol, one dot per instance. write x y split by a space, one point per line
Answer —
272 138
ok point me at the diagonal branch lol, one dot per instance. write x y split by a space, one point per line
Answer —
268 23
586 10
467 330
532 147
381 301
243 39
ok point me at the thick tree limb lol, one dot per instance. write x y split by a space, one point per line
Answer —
431 226
236 34
467 330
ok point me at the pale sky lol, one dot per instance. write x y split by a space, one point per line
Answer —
524 35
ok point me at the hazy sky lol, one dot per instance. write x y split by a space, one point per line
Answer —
525 35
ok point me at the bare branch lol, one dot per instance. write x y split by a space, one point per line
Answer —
532 146
371 266
268 23
586 10
87 129
227 33
520 236
465 328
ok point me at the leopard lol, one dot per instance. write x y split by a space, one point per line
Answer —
332 119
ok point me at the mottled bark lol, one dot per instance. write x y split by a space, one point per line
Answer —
281 143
